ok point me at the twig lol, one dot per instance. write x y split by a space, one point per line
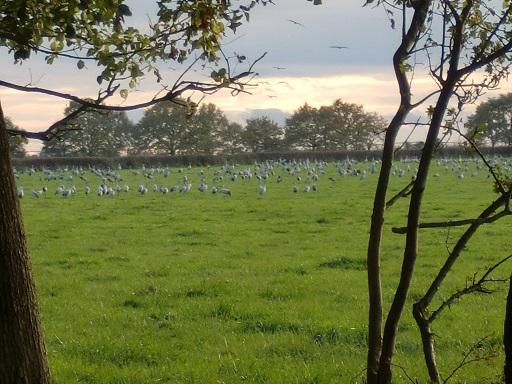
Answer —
456 223
476 286
404 192
405 373
465 360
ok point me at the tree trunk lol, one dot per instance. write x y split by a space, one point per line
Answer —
22 351
507 336
411 244
427 342
379 202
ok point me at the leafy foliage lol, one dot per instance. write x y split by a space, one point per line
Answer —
94 133
492 120
338 126
97 31
262 134
168 128
16 143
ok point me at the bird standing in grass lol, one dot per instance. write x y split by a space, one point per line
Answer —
262 189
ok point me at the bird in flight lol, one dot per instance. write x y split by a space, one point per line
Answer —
279 68
296 23
338 47
271 96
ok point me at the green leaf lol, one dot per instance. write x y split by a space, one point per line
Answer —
217 28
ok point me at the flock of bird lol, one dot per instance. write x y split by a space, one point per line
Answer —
304 175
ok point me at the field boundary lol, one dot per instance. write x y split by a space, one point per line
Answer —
241 158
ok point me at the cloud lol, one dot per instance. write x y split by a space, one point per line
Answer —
277 96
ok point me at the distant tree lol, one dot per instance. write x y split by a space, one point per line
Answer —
492 120
337 126
305 129
204 130
16 143
230 138
348 126
93 133
162 130
262 134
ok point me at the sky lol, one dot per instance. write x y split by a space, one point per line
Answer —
299 66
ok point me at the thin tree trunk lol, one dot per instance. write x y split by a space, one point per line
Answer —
427 342
507 336
373 256
22 351
410 253
413 217
379 202
420 307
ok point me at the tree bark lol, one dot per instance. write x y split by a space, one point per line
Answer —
507 336
379 202
427 342
22 352
411 244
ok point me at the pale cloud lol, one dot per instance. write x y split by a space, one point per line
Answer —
377 92
373 88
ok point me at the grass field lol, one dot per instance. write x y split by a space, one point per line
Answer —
206 288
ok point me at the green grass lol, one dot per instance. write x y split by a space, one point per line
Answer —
202 288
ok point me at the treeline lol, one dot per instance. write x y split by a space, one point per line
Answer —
171 129
242 158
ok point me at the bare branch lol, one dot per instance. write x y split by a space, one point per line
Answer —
404 192
421 101
456 223
405 373
475 286
171 95
484 159
465 360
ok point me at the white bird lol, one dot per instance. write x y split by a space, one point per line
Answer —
185 188
87 190
35 194
142 189
262 189
20 192
225 191
214 189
